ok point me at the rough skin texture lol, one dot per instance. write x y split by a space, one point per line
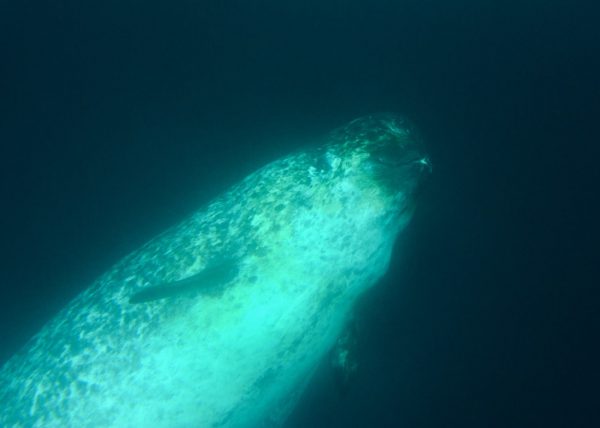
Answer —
308 233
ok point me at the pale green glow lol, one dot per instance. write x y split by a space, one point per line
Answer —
310 233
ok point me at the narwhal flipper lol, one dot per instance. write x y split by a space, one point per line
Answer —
344 363
211 280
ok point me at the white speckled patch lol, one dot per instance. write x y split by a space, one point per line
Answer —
309 233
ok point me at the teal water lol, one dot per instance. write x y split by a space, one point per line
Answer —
120 118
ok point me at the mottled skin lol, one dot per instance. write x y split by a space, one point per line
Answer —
308 234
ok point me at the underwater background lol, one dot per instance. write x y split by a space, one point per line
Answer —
120 118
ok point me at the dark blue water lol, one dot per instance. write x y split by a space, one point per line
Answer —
119 118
